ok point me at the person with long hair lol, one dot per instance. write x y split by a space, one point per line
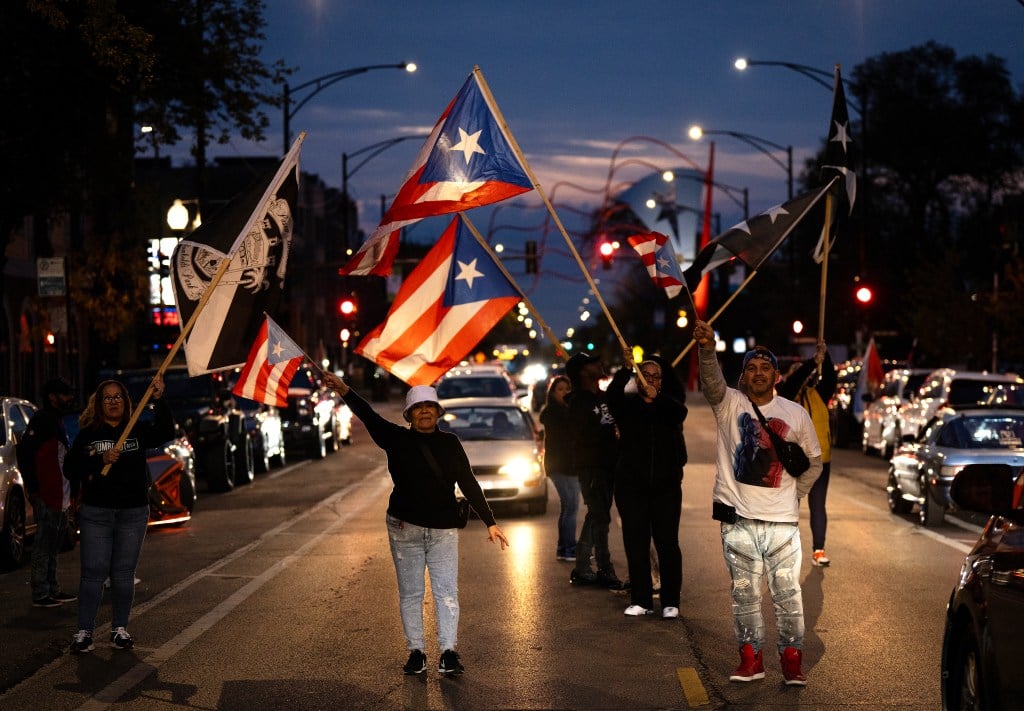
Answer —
115 503
558 463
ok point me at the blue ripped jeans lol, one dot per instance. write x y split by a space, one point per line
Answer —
759 550
436 550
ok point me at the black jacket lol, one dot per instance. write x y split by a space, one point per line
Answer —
419 496
557 439
592 427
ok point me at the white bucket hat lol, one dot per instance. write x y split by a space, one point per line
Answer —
418 394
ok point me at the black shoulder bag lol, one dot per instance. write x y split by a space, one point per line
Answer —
791 455
462 504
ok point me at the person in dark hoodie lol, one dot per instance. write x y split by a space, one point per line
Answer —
648 479
594 451
115 503
422 518
41 454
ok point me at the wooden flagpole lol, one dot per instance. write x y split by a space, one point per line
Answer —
547 203
716 315
186 329
824 272
543 324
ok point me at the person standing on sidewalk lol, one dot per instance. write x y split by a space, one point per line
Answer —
648 480
803 385
41 454
115 504
558 464
594 452
422 518
758 503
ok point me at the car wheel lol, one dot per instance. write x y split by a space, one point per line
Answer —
281 458
931 513
12 537
965 682
244 462
187 491
260 460
897 504
319 445
888 449
219 467
335 443
864 443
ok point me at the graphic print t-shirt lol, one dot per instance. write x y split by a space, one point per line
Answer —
750 476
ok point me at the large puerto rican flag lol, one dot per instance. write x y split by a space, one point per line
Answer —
443 309
467 161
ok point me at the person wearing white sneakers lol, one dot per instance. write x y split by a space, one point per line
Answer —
812 384
757 502
648 479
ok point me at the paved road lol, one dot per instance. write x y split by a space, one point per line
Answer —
282 594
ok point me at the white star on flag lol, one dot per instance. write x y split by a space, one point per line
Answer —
278 349
468 272
774 212
469 143
841 136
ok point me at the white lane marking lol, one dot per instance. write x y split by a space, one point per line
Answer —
934 535
134 676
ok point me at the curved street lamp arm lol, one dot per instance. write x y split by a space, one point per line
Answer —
377 149
326 80
818 76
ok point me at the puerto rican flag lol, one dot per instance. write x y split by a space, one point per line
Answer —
655 249
443 309
272 363
467 161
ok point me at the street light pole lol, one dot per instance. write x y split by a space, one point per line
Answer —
761 144
319 84
818 76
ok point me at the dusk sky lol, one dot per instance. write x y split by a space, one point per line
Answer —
574 79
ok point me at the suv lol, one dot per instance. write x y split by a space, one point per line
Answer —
880 416
206 410
308 422
476 381
17 521
944 387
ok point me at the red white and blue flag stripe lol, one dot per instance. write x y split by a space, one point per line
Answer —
467 161
655 249
443 309
272 363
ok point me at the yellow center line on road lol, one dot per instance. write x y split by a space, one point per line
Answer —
693 689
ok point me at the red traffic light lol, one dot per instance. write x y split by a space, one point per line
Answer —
864 295
346 307
606 249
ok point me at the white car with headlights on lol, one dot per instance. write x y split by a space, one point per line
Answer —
501 442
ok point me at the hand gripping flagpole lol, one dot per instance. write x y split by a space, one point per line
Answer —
185 331
483 243
547 203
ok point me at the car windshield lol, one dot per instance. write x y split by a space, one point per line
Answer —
984 432
477 423
473 387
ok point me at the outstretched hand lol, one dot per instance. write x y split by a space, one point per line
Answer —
495 534
703 334
336 384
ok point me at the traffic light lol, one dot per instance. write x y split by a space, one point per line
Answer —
607 250
864 295
347 307
531 256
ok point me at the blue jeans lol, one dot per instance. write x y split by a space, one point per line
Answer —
45 546
568 488
755 550
436 550
111 545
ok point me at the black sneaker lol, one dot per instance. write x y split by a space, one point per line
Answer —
82 642
584 578
609 580
417 663
120 638
46 602
450 663
63 597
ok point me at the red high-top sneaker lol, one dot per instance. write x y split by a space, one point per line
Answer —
751 665
791 657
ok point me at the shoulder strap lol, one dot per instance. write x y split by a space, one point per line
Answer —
776 440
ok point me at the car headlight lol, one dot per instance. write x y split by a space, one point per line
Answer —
523 470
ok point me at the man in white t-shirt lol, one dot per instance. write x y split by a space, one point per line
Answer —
757 502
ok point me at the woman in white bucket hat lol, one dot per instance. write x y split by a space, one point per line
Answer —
423 518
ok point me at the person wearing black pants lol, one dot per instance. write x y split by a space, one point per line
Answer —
648 480
803 385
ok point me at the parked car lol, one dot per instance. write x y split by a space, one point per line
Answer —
501 442
206 410
476 381
17 520
266 431
1007 394
947 386
980 664
881 423
921 471
308 422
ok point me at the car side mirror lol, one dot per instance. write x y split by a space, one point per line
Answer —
993 489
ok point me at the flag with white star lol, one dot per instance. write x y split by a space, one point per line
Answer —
753 241
449 302
838 159
655 250
467 161
273 361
